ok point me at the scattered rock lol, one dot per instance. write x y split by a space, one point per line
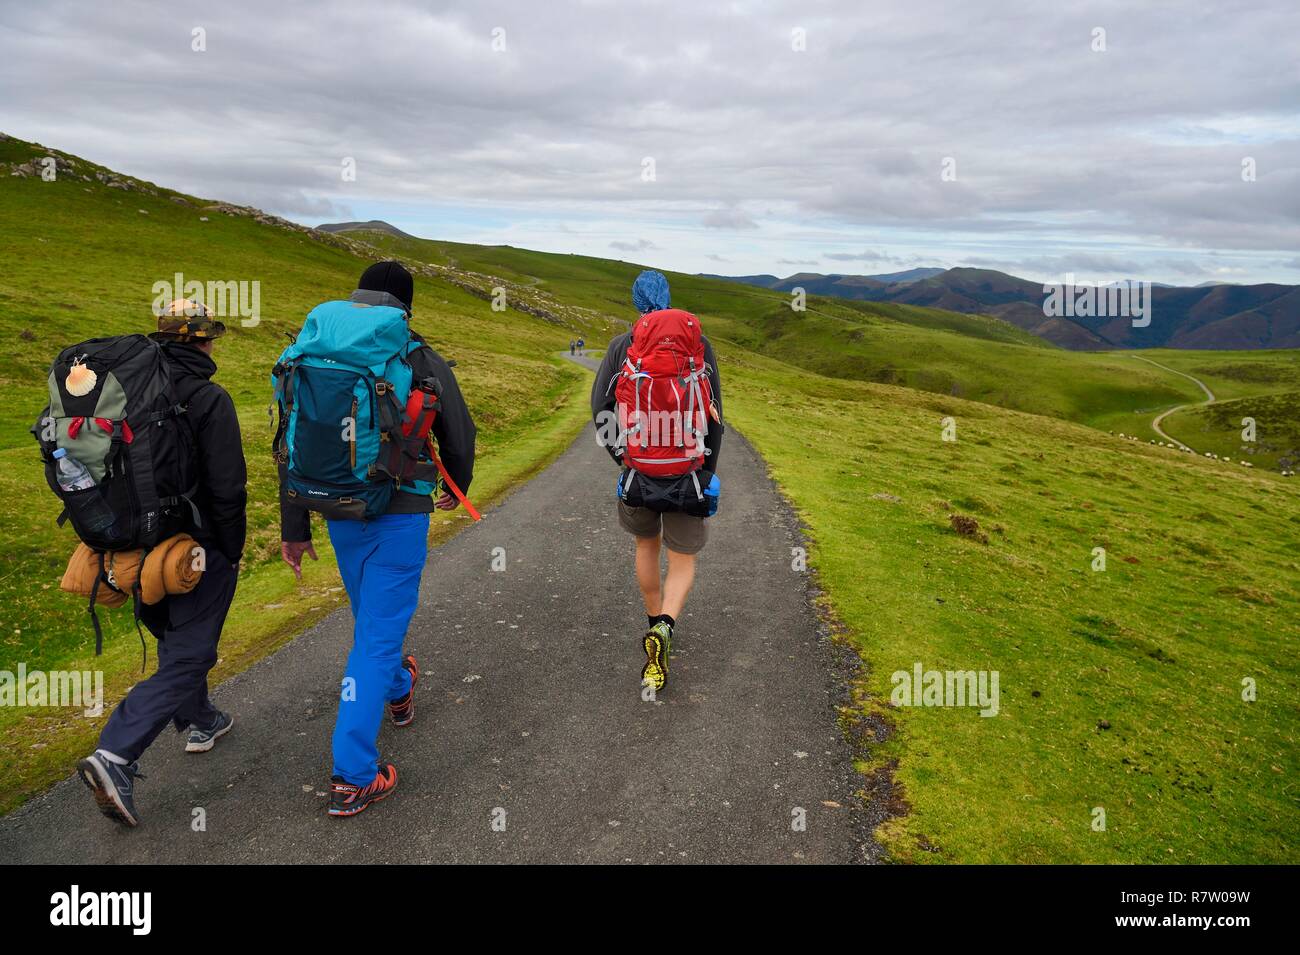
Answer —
1103 724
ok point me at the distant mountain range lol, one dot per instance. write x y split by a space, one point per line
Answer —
1209 316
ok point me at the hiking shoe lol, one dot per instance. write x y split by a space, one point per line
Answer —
402 712
202 740
348 800
113 786
658 642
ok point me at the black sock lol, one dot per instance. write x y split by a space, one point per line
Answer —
652 620
668 620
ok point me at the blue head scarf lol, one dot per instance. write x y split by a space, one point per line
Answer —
650 292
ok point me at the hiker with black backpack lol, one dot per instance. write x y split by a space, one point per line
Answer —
363 400
657 404
144 450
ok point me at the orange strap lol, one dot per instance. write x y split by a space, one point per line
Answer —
452 485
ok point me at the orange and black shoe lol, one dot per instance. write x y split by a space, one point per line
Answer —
348 800
402 712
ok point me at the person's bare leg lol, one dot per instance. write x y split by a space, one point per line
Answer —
647 574
677 585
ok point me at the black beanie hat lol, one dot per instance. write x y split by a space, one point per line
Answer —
390 277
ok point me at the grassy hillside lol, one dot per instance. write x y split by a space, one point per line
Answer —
1235 374
81 258
1120 689
1257 384
1218 429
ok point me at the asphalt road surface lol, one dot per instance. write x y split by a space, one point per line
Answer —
532 742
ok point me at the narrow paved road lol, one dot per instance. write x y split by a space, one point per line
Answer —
530 711
1155 424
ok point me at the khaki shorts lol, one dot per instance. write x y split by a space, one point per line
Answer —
682 533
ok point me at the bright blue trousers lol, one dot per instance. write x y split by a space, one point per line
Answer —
381 562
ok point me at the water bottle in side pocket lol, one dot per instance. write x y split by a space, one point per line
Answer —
91 511
711 494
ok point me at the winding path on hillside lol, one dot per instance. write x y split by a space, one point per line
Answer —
1155 423
529 703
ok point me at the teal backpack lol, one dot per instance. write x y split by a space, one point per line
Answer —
354 427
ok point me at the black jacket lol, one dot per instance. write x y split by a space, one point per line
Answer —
453 430
603 400
222 494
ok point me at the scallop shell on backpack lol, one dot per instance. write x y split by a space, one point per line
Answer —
81 380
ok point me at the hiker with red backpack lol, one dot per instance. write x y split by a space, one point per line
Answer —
144 450
363 400
657 404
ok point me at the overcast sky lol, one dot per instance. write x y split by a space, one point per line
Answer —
1126 162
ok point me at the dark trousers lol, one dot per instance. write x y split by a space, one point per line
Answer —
188 627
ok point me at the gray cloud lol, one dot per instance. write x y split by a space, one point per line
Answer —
640 245
729 219
867 255
1134 153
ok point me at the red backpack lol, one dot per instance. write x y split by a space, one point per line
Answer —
663 395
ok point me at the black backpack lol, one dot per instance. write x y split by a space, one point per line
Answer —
114 408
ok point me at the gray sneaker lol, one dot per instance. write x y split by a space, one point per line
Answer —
202 740
113 786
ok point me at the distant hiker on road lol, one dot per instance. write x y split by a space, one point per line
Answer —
202 431
657 404
357 446
571 346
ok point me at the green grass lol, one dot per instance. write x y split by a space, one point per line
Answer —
1201 590
1218 429
81 260
1235 374
1256 384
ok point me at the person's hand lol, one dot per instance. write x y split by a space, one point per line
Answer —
447 502
291 553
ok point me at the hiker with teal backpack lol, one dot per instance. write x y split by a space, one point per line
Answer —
657 405
362 402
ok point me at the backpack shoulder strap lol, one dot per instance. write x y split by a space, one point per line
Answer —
183 395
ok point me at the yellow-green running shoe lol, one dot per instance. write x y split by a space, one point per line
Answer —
658 643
